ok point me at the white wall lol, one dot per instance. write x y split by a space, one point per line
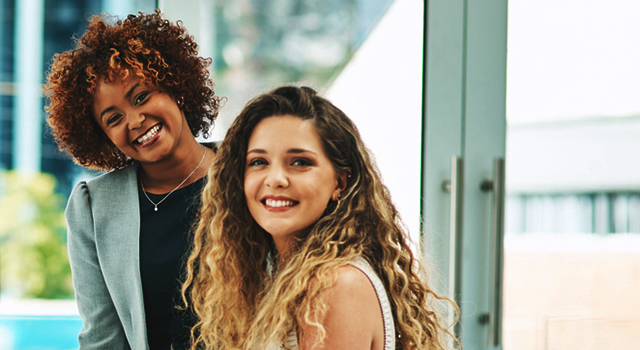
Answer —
381 91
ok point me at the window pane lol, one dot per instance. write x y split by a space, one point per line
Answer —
572 247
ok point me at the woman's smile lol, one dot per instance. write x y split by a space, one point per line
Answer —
278 203
148 138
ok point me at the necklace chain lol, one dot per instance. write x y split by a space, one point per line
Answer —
155 205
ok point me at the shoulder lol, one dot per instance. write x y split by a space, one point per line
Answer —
351 279
350 284
353 290
116 182
79 198
353 319
117 176
78 213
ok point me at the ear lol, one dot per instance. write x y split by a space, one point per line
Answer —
342 182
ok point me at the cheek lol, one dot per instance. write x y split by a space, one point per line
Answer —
112 135
322 195
168 104
331 184
250 187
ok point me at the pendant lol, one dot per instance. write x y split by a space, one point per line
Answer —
155 208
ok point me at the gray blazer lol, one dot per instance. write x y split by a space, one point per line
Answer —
103 218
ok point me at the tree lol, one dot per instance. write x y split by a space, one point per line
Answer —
33 256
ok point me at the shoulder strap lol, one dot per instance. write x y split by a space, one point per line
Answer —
383 299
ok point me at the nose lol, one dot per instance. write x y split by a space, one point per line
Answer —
136 121
277 177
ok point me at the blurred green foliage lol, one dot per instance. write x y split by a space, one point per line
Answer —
33 254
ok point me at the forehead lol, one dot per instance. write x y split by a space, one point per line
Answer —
285 132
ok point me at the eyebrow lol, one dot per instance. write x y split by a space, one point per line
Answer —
130 91
257 151
300 150
106 110
127 95
292 150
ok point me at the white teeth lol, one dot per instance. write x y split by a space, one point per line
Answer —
278 203
151 133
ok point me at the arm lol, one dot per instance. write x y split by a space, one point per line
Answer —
353 319
101 328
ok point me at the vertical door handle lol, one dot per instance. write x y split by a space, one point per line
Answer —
455 188
496 185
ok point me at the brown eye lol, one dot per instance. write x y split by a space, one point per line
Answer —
113 119
140 98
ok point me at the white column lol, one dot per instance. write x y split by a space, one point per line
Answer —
28 109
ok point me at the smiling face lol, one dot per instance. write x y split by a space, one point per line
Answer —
288 180
142 121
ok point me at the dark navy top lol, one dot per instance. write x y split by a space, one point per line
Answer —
165 238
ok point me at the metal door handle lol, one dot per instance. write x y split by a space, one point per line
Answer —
496 185
455 187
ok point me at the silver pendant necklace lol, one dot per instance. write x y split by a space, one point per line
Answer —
155 205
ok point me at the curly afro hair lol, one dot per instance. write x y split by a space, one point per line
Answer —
157 51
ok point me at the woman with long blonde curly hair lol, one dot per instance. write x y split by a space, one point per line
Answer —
299 244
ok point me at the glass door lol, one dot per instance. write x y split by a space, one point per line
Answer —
463 160
572 245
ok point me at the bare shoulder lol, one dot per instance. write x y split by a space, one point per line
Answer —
353 319
354 295
350 280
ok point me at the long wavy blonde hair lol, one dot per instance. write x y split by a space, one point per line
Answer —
246 298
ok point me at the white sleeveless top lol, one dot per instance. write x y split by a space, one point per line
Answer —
385 307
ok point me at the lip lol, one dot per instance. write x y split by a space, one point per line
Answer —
152 140
283 208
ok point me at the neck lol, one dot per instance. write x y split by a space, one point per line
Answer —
284 247
164 176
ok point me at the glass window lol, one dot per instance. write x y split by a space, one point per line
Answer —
572 246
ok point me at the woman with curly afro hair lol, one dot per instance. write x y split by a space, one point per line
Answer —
129 100
299 245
